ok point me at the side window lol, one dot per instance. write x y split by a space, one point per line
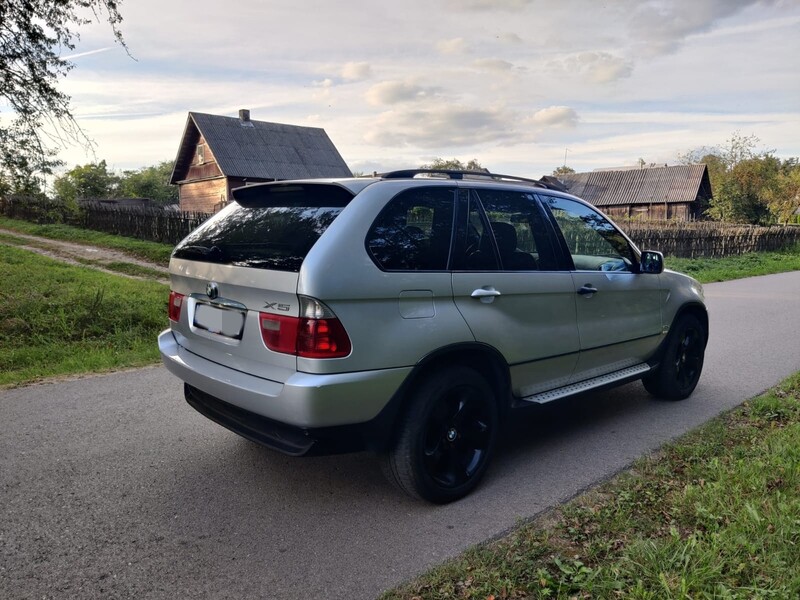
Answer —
595 244
512 235
413 232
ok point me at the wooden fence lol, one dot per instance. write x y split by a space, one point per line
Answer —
674 238
709 239
155 224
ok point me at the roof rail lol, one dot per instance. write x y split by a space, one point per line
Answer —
465 174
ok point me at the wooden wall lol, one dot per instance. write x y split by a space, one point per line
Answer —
205 188
207 196
658 212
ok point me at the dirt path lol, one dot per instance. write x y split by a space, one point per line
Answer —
93 257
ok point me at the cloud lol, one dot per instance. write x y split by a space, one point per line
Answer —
441 127
492 64
599 67
509 38
87 53
454 46
555 117
395 92
356 71
513 5
662 27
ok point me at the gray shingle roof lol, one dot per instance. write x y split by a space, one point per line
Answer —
676 184
260 149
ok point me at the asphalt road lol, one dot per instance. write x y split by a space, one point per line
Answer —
113 487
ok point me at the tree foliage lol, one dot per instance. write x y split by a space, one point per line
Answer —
94 181
150 182
90 181
455 165
563 170
34 34
749 185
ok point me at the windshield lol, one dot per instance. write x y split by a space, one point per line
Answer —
274 237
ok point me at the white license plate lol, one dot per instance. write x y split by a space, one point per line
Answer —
221 321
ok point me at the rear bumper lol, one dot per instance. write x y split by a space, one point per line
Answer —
294 441
303 401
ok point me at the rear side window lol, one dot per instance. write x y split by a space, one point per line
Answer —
414 231
274 233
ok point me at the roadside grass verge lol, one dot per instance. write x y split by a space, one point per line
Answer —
151 251
59 319
715 514
707 270
126 268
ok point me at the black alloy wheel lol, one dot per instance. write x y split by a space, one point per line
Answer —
689 358
457 436
446 438
676 376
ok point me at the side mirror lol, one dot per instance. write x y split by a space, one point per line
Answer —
651 262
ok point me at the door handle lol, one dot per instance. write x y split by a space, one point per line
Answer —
485 294
587 290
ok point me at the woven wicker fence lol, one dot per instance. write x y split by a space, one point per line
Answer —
155 224
709 239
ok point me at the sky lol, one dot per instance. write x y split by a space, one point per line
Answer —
523 86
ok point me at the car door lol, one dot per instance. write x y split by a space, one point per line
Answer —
509 289
618 309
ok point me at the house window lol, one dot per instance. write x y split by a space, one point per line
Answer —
201 154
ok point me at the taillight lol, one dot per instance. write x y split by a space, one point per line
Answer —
175 303
316 333
279 333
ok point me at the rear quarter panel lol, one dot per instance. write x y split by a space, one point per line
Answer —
393 319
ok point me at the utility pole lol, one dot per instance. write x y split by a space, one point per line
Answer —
565 156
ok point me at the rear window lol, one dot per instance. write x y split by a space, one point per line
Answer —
262 236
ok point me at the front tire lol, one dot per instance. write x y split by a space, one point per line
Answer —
446 437
682 362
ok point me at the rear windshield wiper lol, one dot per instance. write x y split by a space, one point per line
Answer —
214 252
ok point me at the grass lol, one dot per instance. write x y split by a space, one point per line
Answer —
707 270
125 268
714 515
58 319
151 251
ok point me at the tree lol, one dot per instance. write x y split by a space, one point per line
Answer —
150 182
563 170
746 182
783 198
33 36
455 165
90 181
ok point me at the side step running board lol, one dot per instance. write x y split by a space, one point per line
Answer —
588 384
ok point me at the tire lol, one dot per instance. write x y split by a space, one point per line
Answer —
446 437
682 362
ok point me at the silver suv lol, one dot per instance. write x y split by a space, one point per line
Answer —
411 313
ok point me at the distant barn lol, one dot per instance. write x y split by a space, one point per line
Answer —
217 154
681 192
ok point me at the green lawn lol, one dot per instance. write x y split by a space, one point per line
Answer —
714 515
707 270
152 251
59 319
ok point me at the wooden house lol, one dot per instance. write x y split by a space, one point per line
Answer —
680 193
217 154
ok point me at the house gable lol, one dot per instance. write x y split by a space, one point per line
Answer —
241 151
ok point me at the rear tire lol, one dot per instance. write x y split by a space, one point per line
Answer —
682 362
446 437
